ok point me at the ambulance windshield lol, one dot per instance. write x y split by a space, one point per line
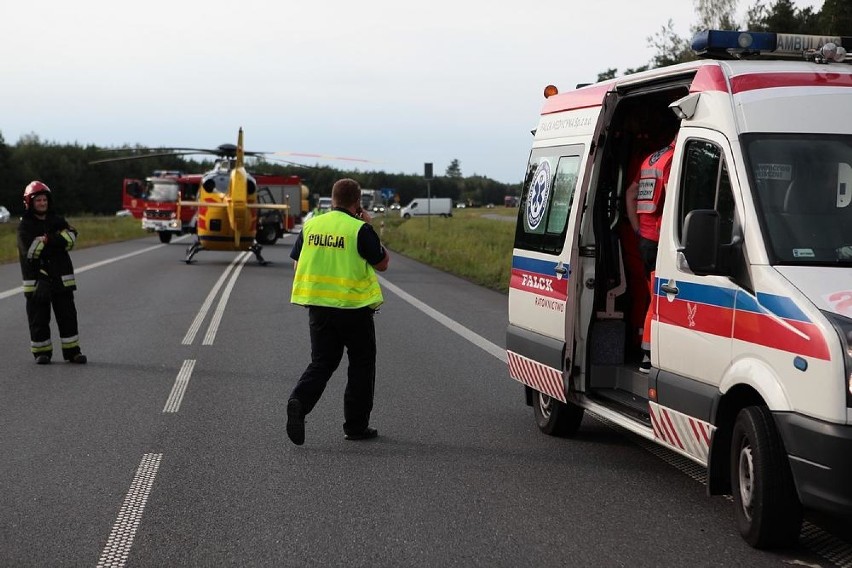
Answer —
803 190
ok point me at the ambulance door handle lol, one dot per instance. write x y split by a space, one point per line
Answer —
561 270
668 289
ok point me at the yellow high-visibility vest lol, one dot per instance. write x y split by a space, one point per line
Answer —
330 272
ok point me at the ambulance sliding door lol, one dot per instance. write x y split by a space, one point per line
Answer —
692 337
541 312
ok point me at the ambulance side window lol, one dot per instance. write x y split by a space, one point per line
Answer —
706 184
547 198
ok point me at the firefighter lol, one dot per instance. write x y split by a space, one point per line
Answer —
44 240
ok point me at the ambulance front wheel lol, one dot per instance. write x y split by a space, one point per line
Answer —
768 511
556 418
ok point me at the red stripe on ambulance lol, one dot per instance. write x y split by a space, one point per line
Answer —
682 432
533 374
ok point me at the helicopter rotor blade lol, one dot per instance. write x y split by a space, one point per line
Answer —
159 154
324 157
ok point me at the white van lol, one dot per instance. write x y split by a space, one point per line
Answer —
751 345
442 206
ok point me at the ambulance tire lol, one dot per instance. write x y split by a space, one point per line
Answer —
165 237
767 508
556 418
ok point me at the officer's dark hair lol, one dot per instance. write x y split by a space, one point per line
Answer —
345 193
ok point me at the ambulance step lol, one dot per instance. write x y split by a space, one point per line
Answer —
624 402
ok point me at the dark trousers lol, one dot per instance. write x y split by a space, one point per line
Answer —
38 315
332 329
648 252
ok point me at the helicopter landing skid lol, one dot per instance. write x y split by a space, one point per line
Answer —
191 251
256 248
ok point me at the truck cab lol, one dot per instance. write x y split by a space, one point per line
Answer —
751 296
160 212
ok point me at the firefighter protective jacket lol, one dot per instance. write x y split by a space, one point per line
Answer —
43 246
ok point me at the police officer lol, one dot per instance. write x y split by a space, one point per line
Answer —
335 258
644 201
44 240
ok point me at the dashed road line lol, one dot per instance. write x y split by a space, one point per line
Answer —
123 532
181 382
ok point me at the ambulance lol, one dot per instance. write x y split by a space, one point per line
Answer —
751 333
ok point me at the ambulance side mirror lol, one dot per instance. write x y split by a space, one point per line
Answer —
701 241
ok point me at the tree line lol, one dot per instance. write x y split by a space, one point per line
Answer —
83 188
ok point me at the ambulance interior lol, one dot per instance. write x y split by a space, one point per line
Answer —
641 124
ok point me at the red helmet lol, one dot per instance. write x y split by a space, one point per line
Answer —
34 188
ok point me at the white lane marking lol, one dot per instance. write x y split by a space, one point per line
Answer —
223 301
181 381
19 289
452 325
123 532
202 313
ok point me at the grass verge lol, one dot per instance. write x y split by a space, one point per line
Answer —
475 244
93 231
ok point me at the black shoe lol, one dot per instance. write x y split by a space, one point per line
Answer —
366 434
79 359
42 360
295 422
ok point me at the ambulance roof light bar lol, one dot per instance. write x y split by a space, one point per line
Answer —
723 44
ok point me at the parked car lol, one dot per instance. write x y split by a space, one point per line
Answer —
123 213
4 215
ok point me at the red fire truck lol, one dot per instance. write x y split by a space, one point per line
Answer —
155 201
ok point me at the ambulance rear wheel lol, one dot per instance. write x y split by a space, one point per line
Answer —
165 237
556 418
767 509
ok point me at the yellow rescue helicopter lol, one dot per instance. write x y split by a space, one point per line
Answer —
227 206
226 200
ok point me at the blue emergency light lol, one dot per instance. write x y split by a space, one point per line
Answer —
728 44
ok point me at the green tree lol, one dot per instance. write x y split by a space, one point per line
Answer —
670 48
454 170
835 17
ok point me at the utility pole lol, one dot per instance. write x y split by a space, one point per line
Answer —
427 174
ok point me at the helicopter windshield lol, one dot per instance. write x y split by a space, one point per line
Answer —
803 187
162 190
216 183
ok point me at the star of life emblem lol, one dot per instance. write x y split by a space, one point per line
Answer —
538 195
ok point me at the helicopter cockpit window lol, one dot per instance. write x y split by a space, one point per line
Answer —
252 186
216 183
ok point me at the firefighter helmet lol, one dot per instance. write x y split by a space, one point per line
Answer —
34 188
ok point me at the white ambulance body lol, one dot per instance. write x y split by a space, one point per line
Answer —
750 344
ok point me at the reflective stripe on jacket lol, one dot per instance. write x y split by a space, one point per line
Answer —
653 177
330 272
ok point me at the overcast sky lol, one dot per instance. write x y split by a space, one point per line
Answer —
400 83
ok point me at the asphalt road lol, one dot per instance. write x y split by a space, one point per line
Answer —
169 449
